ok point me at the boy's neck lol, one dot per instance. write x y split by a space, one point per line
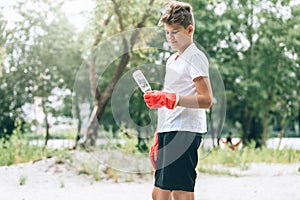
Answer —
180 51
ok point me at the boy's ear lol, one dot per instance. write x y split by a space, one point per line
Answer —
190 29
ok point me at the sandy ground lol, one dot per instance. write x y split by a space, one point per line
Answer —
46 179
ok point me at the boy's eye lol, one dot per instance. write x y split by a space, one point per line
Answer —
173 32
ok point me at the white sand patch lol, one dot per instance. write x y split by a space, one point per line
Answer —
48 179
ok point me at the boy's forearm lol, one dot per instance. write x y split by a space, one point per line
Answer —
195 101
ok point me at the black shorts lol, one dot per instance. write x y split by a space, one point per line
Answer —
177 160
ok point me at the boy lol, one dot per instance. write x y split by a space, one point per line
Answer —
182 103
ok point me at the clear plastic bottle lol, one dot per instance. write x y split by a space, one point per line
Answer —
141 81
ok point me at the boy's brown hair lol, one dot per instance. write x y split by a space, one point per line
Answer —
177 13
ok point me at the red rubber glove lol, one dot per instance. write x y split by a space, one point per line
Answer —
153 154
158 99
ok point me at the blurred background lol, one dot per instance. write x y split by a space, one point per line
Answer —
253 44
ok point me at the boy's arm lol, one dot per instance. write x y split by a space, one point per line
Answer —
203 99
204 96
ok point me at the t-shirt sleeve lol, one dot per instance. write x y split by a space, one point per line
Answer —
199 65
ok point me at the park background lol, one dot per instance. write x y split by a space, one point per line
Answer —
58 78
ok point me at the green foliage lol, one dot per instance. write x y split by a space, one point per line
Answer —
20 149
254 47
17 149
41 55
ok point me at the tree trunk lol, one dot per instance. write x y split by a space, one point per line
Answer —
46 123
281 134
222 118
101 102
141 139
77 113
246 126
266 119
212 129
92 73
265 128
299 118
91 133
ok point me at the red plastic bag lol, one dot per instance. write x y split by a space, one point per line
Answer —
153 154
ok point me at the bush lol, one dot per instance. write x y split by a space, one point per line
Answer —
17 149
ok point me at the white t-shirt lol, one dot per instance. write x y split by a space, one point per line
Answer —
180 73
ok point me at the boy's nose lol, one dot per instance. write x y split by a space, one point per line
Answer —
171 37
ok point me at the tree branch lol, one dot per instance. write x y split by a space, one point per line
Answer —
146 15
118 13
141 24
117 73
94 87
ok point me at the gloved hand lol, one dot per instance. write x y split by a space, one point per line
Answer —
158 99
153 154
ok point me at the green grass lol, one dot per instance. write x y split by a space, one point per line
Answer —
89 168
22 180
211 171
17 149
242 158
54 134
250 154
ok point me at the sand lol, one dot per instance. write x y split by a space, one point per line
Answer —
47 179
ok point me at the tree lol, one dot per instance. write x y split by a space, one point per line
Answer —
275 39
110 16
250 42
9 84
47 59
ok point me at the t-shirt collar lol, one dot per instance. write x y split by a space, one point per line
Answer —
186 51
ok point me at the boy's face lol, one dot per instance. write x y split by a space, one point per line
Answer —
179 37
